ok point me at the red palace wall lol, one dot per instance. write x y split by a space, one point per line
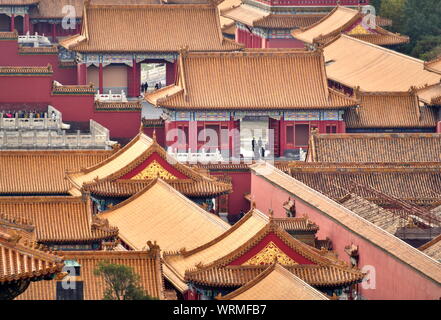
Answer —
394 279
322 126
241 181
159 132
10 57
74 107
122 124
37 90
283 43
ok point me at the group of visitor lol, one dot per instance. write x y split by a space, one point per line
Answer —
22 114
145 86
258 148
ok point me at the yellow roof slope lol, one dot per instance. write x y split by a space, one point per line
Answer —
237 236
284 79
353 63
227 4
114 163
150 28
339 17
275 283
160 213
389 243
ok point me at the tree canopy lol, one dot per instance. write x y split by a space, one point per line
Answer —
122 283
418 19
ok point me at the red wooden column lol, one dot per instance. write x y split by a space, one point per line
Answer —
170 73
342 127
12 22
101 78
133 84
282 141
54 32
81 74
26 24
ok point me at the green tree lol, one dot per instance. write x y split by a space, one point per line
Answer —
422 23
376 4
427 48
122 283
394 10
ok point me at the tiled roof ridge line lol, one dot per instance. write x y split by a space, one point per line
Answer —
139 136
238 224
389 51
249 284
18 221
42 199
378 135
323 37
170 188
95 6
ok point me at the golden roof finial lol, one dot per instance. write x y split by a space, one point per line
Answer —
154 135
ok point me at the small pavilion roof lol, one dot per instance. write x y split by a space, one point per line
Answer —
275 283
162 214
390 244
356 63
430 94
433 248
115 163
375 147
109 178
348 21
233 244
390 110
256 17
319 276
43 172
23 260
146 264
150 28
58 219
434 65
281 79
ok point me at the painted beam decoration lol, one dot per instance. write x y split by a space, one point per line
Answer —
120 58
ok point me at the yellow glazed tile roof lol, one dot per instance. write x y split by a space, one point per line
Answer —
160 213
356 63
341 20
275 283
283 79
115 162
150 28
390 110
43 172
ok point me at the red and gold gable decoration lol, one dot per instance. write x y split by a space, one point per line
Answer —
266 252
358 29
153 167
